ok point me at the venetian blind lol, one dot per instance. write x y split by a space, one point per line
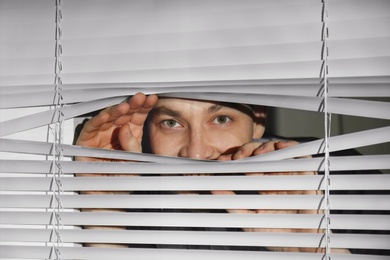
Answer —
64 59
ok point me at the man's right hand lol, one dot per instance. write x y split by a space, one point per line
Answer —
118 127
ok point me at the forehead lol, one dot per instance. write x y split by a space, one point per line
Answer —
182 104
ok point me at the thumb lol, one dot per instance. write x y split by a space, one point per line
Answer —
128 141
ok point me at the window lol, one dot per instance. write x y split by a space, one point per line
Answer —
63 60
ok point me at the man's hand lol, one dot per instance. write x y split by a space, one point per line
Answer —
255 148
118 127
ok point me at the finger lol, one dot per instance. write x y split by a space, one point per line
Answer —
265 148
287 144
139 108
284 144
135 109
132 123
225 157
132 104
246 150
128 141
115 117
106 118
223 192
122 113
96 122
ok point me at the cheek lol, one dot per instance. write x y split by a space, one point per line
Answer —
163 144
224 141
243 133
234 140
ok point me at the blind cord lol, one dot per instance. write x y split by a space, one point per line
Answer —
327 125
56 129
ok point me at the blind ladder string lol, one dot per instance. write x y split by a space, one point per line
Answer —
327 126
57 151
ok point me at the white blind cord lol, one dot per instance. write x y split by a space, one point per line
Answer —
327 125
56 129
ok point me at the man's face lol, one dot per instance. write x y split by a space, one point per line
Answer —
200 129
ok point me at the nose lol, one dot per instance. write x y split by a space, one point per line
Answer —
197 146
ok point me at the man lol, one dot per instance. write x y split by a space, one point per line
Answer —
186 128
180 127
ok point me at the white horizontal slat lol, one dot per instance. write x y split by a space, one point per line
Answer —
267 239
312 202
124 8
167 183
306 69
198 183
21 66
26 79
231 56
359 28
249 36
360 222
165 201
209 57
93 253
360 182
169 20
341 163
167 219
359 90
18 50
199 39
341 10
146 86
218 220
44 148
68 167
52 116
344 163
20 12
337 143
358 80
361 241
271 85
44 98
359 48
370 67
374 109
166 237
35 31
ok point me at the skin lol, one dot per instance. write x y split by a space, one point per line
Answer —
200 130
191 129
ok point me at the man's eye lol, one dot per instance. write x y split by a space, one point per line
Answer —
222 119
170 123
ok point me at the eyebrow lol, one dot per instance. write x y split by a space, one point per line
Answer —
158 111
165 111
174 113
215 108
234 106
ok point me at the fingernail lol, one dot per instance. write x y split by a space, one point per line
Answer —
238 154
